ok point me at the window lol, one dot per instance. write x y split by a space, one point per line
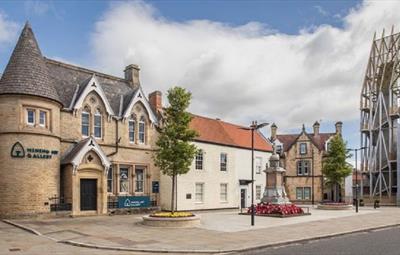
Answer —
85 123
131 127
303 193
258 192
97 124
142 128
307 192
199 160
299 193
279 148
199 194
223 161
303 167
30 117
303 148
123 180
223 195
258 165
139 180
42 118
110 180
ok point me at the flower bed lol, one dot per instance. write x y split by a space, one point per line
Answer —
271 209
171 215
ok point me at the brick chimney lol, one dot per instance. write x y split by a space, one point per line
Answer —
338 126
132 75
316 128
155 100
274 129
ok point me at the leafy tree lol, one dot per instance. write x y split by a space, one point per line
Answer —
335 168
175 152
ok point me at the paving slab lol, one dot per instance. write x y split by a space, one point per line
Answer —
219 231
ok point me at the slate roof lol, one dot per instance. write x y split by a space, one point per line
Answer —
224 133
319 141
66 77
26 72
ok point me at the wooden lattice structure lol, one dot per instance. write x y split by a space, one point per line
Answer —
379 106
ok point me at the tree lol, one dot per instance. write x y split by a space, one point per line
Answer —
175 152
335 168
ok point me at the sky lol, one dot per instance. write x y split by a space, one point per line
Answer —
287 62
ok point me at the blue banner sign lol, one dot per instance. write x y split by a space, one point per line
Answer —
133 202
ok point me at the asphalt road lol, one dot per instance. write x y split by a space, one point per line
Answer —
376 242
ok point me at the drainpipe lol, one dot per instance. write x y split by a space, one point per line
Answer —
117 139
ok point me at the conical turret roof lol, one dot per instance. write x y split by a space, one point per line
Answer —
26 72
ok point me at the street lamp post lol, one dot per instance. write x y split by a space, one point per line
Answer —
254 126
356 152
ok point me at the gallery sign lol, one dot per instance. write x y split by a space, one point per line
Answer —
18 151
133 202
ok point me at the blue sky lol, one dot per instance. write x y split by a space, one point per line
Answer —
289 62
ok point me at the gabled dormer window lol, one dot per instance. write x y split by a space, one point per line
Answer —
131 128
85 123
142 130
97 124
303 148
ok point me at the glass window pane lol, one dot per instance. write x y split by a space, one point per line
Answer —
97 125
85 123
139 180
258 165
299 193
223 161
31 116
258 192
132 131
199 160
307 192
224 192
124 180
110 180
141 131
199 192
42 120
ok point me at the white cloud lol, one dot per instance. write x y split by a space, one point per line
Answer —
8 29
38 8
240 73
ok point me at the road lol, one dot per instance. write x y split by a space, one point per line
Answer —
383 241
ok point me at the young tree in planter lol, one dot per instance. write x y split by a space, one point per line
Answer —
335 167
175 152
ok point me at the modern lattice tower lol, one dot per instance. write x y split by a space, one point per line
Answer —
379 105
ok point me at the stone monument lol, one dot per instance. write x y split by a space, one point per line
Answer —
274 192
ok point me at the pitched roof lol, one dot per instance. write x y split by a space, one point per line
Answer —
66 77
319 141
26 71
224 133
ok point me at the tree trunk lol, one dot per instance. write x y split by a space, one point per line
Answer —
173 194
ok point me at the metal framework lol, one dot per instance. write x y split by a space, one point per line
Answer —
379 106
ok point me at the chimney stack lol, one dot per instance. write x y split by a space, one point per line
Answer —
338 127
132 75
316 128
155 100
274 128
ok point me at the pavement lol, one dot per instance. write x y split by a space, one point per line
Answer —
220 231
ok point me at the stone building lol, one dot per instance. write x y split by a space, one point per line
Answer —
72 136
301 156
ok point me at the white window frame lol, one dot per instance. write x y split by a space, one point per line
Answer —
258 192
199 160
127 178
88 124
44 124
98 114
303 148
110 180
142 133
27 116
199 196
223 194
137 181
258 165
223 164
132 123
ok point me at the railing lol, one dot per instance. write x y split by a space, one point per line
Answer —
59 204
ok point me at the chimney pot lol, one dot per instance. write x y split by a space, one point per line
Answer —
274 129
338 127
316 128
132 75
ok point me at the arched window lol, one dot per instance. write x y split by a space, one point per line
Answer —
97 124
142 130
85 122
131 127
